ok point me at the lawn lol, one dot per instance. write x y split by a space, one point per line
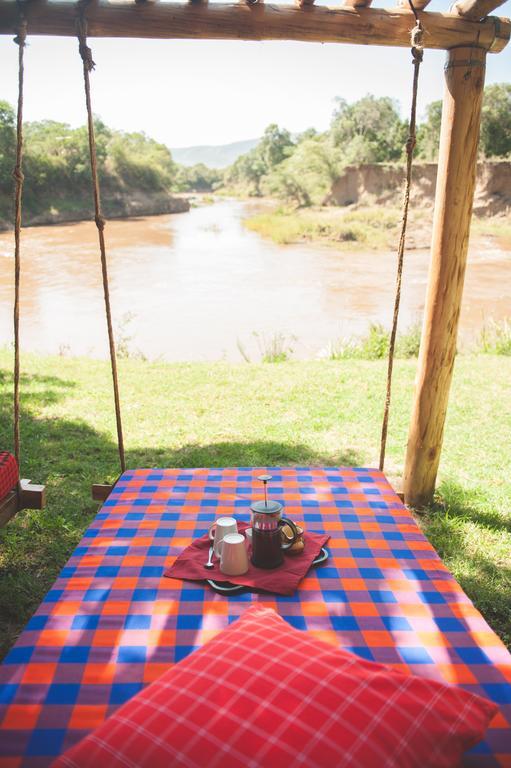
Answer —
321 412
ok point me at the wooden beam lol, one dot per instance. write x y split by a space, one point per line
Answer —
419 5
8 507
476 9
25 496
101 492
459 136
376 26
31 496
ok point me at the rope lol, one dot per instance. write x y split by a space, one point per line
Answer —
18 177
417 54
88 66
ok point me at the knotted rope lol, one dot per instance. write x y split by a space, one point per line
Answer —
88 66
417 55
18 177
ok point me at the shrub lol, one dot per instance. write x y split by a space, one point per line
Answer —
496 337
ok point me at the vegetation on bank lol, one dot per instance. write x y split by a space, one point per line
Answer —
301 169
366 228
297 169
322 412
57 171
373 228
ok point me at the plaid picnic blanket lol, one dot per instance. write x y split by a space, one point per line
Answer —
8 473
112 623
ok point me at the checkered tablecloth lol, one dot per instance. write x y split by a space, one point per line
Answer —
112 623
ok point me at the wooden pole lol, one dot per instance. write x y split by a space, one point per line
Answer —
459 137
258 21
476 9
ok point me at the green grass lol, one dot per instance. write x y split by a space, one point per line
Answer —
322 412
369 228
373 228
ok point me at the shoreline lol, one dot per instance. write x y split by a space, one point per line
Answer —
133 207
362 228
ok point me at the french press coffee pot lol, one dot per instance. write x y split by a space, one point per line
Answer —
267 520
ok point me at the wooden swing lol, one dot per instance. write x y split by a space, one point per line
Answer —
467 33
100 492
24 494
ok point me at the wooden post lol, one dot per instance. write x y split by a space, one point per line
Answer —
457 162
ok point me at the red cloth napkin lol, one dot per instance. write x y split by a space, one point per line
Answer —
283 580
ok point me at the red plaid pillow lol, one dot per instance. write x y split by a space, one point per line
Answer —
264 694
8 473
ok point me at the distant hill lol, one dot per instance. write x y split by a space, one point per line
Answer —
213 156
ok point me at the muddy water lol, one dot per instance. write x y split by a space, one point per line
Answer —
199 286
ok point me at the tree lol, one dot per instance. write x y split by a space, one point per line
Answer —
496 121
495 125
7 142
247 171
275 146
307 175
198 178
369 130
141 162
428 133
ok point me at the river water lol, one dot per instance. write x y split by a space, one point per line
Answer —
200 286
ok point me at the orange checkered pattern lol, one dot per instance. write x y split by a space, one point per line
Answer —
112 623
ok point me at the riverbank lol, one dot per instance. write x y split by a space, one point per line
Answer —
185 415
134 204
351 228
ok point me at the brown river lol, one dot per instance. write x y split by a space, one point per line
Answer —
200 286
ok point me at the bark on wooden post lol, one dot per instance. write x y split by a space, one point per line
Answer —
461 114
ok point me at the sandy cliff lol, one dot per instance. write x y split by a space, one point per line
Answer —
382 184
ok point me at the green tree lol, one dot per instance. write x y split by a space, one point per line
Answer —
495 125
275 146
307 176
428 133
496 121
141 162
370 130
7 142
198 178
247 172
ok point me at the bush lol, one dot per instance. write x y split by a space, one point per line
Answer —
496 337
409 342
375 345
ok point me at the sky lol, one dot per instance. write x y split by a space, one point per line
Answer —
189 92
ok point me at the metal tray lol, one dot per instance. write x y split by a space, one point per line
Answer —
226 588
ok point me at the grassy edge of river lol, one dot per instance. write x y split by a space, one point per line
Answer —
191 414
352 228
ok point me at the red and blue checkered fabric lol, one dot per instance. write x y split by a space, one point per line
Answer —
9 475
112 623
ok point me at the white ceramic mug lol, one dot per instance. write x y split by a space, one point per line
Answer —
219 529
248 538
233 554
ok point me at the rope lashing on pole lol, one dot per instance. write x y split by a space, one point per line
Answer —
19 178
88 66
417 56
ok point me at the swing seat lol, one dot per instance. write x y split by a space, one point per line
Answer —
112 623
16 494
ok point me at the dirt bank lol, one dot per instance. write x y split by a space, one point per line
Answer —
115 206
382 184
